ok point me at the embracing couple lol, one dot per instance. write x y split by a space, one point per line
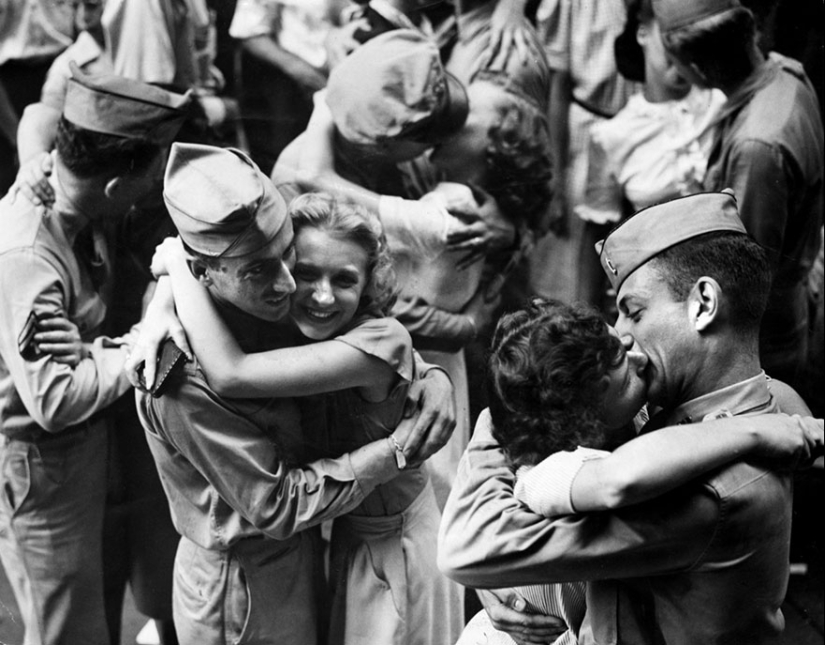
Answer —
680 535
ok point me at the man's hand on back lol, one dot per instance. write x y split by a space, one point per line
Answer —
507 612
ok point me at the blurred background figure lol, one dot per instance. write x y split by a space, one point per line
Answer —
32 34
657 146
768 148
282 62
37 129
586 89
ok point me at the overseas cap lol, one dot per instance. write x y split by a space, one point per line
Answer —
220 202
123 107
657 228
675 14
394 86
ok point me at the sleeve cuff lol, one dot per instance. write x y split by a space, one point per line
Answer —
546 488
429 367
109 357
374 464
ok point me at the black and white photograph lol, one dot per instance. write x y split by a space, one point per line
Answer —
412 322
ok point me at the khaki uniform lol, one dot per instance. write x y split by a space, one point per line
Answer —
53 443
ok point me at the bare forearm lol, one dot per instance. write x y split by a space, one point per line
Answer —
333 183
37 131
316 160
268 51
657 462
213 344
289 371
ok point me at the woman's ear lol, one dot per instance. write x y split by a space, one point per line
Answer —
603 385
199 269
700 75
642 34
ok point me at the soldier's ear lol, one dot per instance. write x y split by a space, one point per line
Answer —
705 303
113 187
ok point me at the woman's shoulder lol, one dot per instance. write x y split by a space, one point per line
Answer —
377 326
384 338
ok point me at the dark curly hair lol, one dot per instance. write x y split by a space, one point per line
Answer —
351 222
544 375
87 153
519 166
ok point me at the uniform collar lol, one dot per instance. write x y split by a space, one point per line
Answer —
773 65
254 334
749 396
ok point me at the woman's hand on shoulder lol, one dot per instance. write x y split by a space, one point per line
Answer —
32 180
169 253
159 323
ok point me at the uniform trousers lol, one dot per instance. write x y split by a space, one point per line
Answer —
52 498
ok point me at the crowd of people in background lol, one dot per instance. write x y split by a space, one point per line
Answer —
409 322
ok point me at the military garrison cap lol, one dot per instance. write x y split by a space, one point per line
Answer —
394 86
124 107
221 203
657 228
675 14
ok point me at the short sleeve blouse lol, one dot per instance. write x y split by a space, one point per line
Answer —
360 421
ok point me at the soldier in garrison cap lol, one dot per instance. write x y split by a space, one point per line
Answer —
242 455
692 287
704 563
55 284
768 148
390 100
